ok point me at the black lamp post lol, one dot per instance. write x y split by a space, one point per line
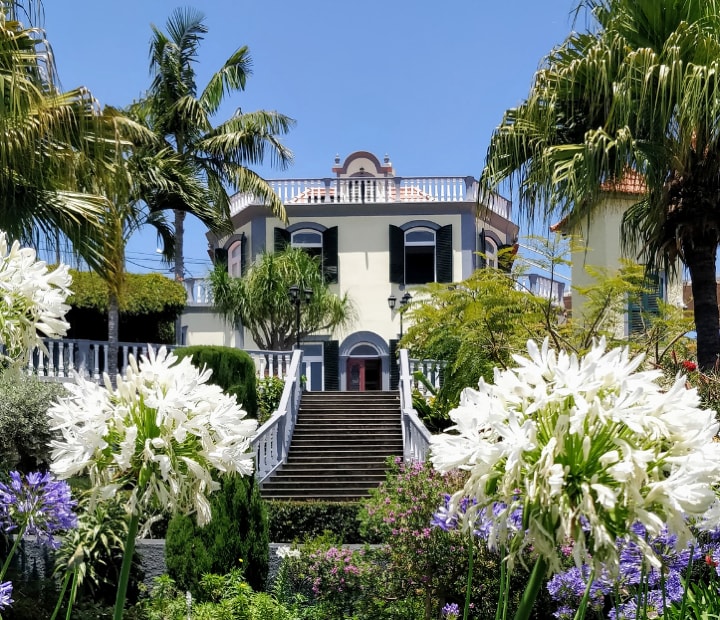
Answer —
296 298
404 300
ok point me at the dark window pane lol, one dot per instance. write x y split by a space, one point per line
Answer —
419 264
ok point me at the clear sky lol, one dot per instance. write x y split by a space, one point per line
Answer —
424 81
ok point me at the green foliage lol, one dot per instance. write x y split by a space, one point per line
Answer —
269 393
260 302
149 293
293 521
150 304
232 369
474 326
96 547
236 537
24 433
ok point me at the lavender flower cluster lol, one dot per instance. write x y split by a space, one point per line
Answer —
636 588
486 519
35 504
38 506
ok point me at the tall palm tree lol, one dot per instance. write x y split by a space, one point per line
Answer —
219 155
147 173
638 94
52 145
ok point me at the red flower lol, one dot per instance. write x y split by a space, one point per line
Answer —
709 560
689 366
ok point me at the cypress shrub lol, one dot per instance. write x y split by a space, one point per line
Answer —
237 536
232 369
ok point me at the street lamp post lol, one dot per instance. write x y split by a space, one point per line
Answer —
296 299
404 301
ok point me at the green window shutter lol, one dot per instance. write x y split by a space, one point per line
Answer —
481 261
281 238
639 310
220 256
331 365
397 255
244 256
330 255
394 365
443 254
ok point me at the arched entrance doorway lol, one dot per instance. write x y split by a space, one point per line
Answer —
364 369
364 362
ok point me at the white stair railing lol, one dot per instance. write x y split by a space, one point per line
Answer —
272 440
416 438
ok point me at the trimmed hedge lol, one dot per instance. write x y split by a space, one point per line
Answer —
299 520
232 369
148 310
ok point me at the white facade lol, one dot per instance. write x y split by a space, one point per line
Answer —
383 235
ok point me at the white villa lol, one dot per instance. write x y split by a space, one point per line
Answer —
379 235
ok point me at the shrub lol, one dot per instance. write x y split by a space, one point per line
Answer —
297 520
269 393
236 537
24 433
232 369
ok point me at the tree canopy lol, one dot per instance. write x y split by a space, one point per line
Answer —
260 300
633 100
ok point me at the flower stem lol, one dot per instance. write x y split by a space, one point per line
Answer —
125 570
532 589
468 589
11 553
61 596
580 614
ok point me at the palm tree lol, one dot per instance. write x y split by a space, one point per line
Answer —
639 95
218 155
259 301
146 175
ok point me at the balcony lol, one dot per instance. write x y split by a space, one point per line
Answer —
374 190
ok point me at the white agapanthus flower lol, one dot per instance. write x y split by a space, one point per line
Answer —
287 552
161 434
586 447
32 300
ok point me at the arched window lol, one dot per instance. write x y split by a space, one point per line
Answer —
309 240
235 252
419 256
420 253
491 253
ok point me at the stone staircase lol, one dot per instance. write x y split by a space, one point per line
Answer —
340 447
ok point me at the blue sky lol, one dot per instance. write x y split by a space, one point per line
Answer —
424 81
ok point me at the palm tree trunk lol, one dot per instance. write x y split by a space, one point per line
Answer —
179 246
113 336
700 260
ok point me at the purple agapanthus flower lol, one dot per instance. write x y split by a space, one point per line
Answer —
36 504
6 595
451 611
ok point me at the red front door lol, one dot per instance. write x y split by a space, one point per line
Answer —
363 374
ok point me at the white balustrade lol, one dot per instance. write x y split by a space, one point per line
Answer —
372 190
416 438
272 440
198 291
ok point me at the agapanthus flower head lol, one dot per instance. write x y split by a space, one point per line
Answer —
451 611
6 600
287 552
162 433
586 446
37 505
32 300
